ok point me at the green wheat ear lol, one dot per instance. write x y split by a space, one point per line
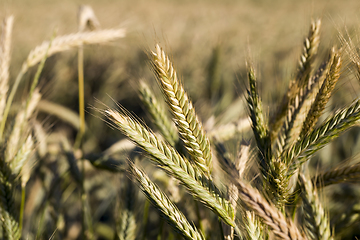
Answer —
187 122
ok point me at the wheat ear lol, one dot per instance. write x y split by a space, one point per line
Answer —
272 170
253 226
159 116
338 175
259 125
188 124
192 177
341 121
87 18
323 95
316 222
311 45
5 47
298 109
170 212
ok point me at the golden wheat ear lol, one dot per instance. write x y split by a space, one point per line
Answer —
186 120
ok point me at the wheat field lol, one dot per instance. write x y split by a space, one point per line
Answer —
179 120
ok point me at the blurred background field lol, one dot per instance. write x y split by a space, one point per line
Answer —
209 42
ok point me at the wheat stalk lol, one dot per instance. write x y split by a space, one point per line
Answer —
170 212
159 116
316 222
192 177
189 127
